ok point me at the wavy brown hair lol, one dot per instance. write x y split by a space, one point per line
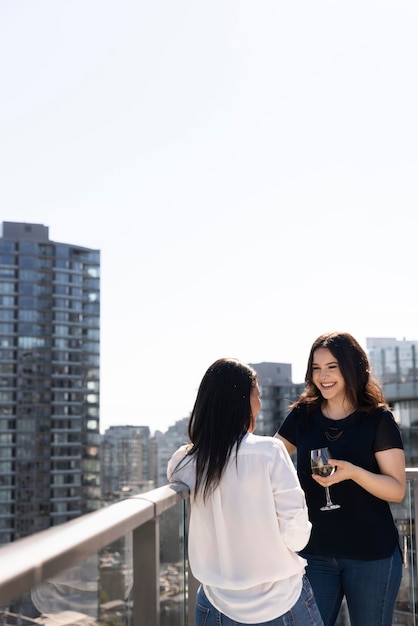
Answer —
363 390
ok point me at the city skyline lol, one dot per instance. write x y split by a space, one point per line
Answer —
246 171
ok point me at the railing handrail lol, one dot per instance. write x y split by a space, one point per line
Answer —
411 473
27 562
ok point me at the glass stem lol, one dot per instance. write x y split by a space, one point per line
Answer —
328 496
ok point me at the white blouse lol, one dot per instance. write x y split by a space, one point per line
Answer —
243 539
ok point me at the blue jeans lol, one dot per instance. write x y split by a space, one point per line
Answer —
303 613
370 588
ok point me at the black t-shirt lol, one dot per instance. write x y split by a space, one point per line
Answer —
363 528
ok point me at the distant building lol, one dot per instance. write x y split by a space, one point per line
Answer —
125 468
277 393
394 363
49 366
163 445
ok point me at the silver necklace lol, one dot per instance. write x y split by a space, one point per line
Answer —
331 437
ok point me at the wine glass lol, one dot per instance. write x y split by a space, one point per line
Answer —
321 467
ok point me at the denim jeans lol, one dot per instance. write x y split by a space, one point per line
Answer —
303 613
370 588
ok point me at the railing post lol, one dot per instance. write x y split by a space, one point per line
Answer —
146 574
414 482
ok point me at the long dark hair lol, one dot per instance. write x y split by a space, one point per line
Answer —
363 390
220 418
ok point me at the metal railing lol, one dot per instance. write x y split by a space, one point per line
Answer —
27 563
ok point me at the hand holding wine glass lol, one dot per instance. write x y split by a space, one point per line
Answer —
321 467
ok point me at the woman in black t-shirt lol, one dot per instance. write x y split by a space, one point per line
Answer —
353 550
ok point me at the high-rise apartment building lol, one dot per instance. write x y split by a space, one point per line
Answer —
277 393
163 445
394 363
393 360
49 380
125 466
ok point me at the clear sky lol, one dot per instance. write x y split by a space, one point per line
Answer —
248 170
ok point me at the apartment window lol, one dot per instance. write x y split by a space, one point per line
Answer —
28 315
61 330
61 316
62 263
7 301
92 359
61 344
61 303
62 277
7 246
29 247
76 279
5 272
28 275
7 329
7 314
7 260
29 329
28 262
28 343
7 287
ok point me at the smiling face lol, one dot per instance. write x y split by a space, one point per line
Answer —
327 376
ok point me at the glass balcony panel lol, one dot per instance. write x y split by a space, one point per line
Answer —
405 609
103 589
71 597
173 587
404 514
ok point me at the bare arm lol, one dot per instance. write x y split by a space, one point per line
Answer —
389 485
289 446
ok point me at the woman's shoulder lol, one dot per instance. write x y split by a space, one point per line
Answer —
183 450
382 412
181 466
300 410
252 439
380 419
178 456
298 417
261 443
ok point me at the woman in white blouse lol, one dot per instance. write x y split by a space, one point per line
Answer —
248 511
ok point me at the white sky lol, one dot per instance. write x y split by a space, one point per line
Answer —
248 170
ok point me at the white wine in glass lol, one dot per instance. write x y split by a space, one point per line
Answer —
321 467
